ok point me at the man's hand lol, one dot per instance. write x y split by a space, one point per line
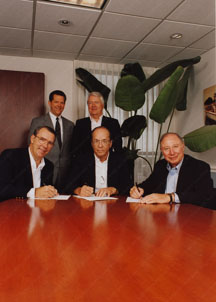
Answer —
136 192
156 198
106 192
86 191
46 192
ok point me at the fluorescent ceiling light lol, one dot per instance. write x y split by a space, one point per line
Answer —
88 3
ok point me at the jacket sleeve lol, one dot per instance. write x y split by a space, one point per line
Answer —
198 184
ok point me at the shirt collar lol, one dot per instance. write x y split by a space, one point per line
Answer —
33 162
93 120
176 167
53 116
97 160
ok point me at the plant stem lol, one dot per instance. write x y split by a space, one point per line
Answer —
170 119
147 162
159 135
107 112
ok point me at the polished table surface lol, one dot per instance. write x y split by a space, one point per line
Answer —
77 250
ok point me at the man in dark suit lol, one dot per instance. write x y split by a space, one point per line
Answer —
60 155
102 172
177 178
24 172
82 131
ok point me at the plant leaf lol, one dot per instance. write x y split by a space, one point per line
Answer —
163 73
129 94
201 139
181 102
134 126
134 69
166 99
92 84
131 154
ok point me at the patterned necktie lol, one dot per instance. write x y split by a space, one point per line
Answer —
58 132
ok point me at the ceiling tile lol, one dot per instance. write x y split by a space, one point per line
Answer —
207 42
16 13
191 33
58 42
82 20
195 11
53 55
150 52
145 8
99 59
107 48
121 27
186 54
12 37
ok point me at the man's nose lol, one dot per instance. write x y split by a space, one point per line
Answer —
171 151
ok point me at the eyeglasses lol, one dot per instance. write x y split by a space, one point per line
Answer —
43 141
102 142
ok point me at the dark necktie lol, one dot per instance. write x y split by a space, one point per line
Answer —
58 132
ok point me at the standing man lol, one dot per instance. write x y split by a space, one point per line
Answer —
177 178
84 126
24 172
60 154
102 172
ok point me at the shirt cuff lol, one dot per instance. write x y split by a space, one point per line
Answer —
31 193
177 200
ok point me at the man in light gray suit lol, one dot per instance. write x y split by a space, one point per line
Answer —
60 155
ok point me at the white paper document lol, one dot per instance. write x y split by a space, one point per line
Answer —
59 197
130 199
95 198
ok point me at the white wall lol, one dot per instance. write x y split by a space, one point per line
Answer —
59 74
203 77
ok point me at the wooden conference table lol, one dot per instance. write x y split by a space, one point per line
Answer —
78 250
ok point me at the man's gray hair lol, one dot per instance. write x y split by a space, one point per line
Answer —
166 134
97 94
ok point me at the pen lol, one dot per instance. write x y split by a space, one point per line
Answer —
136 185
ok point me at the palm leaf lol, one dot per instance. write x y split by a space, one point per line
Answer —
181 103
166 99
201 139
129 94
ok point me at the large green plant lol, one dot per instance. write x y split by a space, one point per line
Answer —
130 96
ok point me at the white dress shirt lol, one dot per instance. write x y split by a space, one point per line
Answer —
94 123
36 174
100 173
53 119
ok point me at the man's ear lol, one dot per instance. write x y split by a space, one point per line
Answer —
32 138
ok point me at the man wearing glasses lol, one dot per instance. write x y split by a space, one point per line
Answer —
24 172
102 171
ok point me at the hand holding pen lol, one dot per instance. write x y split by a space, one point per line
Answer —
136 192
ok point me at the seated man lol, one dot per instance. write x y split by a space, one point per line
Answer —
24 172
102 171
177 177
81 142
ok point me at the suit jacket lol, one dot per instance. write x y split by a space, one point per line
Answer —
83 173
16 174
82 135
194 181
61 158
